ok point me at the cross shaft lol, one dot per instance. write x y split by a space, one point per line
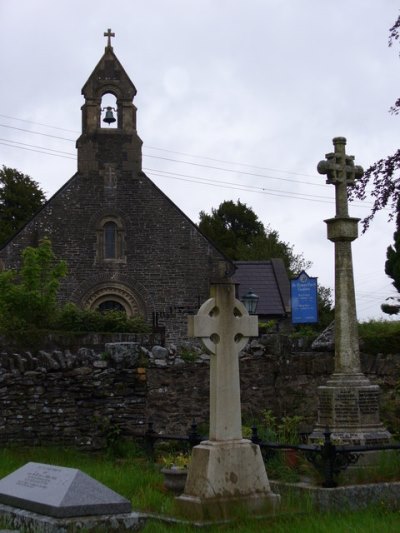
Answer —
224 325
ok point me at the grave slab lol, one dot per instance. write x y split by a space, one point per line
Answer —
59 492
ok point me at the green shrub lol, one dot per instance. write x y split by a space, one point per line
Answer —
73 318
379 336
28 296
189 355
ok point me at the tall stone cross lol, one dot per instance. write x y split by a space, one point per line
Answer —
348 403
342 230
109 34
224 325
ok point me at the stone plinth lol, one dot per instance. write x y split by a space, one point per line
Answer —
349 406
225 477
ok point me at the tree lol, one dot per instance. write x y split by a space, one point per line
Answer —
326 311
392 268
384 174
240 235
385 178
20 198
28 297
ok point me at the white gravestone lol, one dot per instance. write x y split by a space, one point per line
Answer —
227 470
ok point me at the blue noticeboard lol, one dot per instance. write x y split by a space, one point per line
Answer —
304 299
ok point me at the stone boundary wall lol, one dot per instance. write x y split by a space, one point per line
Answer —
89 396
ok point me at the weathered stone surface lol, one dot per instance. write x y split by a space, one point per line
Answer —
223 476
171 395
345 498
159 352
348 403
326 340
28 521
127 352
60 492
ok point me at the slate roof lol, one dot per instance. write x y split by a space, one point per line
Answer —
269 280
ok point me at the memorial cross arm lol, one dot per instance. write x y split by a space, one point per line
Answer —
211 323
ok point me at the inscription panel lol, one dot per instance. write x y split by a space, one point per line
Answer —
59 492
369 402
325 407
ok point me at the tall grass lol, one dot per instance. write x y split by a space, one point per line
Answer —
368 521
134 477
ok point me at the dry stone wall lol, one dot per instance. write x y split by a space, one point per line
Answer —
86 396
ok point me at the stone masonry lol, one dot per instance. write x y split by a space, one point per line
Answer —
81 397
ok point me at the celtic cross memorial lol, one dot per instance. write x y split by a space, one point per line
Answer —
225 470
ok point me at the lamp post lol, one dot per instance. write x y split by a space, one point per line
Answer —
250 301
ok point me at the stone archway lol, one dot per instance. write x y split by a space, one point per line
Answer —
113 292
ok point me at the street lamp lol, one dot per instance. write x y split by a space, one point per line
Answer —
250 301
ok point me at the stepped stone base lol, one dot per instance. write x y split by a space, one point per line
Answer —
225 478
349 407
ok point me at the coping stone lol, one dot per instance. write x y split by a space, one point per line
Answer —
59 492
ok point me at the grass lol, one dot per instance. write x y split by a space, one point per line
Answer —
132 476
139 480
368 521
385 469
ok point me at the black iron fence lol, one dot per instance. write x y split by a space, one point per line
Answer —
151 437
328 458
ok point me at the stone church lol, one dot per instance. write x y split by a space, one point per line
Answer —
127 245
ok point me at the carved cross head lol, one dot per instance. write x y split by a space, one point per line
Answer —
227 325
338 166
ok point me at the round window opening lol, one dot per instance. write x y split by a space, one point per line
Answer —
111 305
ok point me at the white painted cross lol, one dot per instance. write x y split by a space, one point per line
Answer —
224 325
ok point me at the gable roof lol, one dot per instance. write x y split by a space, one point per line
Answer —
269 280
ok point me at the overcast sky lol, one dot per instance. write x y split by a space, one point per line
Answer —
236 99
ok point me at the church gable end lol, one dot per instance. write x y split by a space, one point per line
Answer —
126 244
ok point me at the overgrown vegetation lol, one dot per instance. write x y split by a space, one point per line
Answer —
28 297
379 336
139 480
29 307
72 318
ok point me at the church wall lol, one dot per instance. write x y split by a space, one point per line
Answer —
167 264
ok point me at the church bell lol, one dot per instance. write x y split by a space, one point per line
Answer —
109 117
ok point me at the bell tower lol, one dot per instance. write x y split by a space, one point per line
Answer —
100 146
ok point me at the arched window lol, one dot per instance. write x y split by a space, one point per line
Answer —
110 240
113 296
111 305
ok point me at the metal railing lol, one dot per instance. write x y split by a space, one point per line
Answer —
329 459
151 437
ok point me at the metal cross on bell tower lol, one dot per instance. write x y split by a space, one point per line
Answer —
109 34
